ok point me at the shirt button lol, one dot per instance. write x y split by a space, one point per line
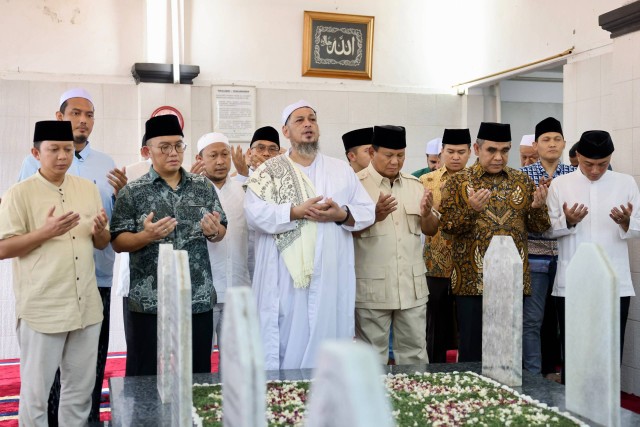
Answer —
77 278
74 237
79 298
76 257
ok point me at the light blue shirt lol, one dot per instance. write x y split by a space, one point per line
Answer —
94 166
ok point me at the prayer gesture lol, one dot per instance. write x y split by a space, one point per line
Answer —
117 178
100 222
300 211
239 162
386 204
160 229
426 204
55 226
197 167
622 216
210 224
575 214
329 211
540 196
478 200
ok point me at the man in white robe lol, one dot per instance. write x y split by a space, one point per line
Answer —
594 205
228 257
307 237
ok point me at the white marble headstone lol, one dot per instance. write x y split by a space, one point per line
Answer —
592 329
242 362
348 389
166 275
502 312
174 333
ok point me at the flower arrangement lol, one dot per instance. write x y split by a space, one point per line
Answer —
420 399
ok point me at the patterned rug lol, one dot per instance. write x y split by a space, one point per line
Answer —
10 386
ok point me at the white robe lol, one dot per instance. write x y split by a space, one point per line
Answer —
294 321
611 190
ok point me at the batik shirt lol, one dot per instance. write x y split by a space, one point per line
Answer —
437 249
193 197
508 213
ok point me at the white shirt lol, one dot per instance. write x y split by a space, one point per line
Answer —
295 321
611 190
229 256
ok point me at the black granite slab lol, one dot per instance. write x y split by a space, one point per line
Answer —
135 400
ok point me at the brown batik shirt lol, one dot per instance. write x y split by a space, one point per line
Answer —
508 213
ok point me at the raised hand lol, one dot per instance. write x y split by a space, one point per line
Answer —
197 167
239 162
540 196
210 223
55 226
385 205
575 213
622 216
426 203
329 211
99 222
478 200
300 211
160 229
117 178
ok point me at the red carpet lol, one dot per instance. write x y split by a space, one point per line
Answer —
10 386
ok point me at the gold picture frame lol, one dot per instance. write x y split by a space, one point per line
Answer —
337 45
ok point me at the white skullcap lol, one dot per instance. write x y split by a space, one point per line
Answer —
434 146
210 138
293 107
75 93
527 140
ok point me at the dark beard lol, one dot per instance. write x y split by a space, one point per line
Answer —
80 139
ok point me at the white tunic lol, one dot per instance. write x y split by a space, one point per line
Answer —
611 190
229 256
294 321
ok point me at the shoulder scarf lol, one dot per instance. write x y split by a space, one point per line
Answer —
279 181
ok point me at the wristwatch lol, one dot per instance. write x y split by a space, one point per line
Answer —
346 208
211 237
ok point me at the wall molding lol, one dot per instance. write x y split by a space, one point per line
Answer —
163 73
621 21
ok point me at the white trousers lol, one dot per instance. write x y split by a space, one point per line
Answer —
75 352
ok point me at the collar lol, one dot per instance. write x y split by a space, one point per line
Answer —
377 178
478 171
184 175
49 184
85 153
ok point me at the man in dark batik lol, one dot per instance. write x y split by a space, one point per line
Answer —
483 200
166 205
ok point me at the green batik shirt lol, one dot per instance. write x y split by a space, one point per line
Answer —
509 213
193 197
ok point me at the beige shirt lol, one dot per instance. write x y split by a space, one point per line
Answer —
55 284
390 272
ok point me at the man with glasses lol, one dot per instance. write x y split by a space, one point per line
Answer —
166 205
264 145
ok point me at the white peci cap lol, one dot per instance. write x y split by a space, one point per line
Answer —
75 93
293 107
210 138
434 146
527 140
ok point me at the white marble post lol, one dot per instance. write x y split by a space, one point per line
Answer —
174 333
502 312
348 389
242 362
166 275
592 330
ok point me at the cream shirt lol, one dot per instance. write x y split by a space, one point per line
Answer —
55 284
390 271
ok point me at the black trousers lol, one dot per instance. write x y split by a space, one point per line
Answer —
440 321
142 343
103 348
624 313
469 312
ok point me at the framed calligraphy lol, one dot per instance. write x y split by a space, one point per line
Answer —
337 45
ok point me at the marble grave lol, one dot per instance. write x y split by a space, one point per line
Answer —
242 362
347 385
502 312
592 319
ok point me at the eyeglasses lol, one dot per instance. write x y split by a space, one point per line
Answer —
262 148
168 148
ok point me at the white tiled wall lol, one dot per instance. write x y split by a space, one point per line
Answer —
121 110
603 92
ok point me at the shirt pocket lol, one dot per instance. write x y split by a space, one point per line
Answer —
370 284
420 280
412 211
